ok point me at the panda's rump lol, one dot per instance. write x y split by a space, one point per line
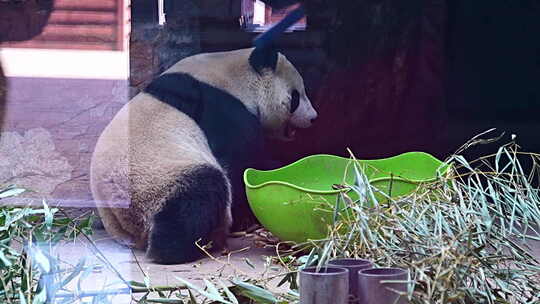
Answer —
144 146
164 144
138 160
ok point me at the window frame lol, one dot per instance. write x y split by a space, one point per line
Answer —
247 16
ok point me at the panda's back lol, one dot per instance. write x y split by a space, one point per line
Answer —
181 120
206 66
160 134
218 69
148 142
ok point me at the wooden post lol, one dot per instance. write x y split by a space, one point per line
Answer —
120 23
161 12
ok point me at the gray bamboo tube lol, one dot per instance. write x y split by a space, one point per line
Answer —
328 286
354 266
372 288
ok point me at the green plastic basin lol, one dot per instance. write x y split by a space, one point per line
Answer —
295 202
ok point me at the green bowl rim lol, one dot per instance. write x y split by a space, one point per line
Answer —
412 181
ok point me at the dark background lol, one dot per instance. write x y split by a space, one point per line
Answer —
386 77
493 68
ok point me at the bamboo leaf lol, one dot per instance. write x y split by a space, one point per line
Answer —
212 289
22 298
232 298
74 273
166 301
40 258
41 296
10 191
256 293
208 295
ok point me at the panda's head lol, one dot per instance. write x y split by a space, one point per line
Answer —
283 105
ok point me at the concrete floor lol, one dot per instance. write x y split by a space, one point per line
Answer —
245 261
132 265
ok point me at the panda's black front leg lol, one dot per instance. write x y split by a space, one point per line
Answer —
242 215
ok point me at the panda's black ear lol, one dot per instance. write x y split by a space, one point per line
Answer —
263 58
265 54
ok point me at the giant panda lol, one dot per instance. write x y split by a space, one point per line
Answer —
175 149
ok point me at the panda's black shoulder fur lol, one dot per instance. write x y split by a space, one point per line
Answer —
234 133
179 90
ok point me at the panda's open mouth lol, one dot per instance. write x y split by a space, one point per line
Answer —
289 132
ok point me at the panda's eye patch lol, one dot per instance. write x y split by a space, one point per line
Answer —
295 100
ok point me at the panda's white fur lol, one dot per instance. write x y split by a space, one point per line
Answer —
169 161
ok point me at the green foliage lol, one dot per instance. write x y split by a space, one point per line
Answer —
29 273
463 238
